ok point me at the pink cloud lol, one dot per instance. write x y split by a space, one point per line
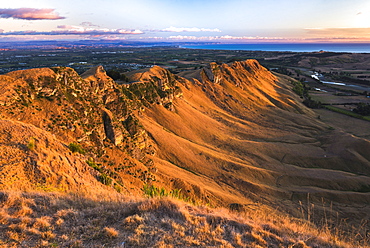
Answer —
68 29
30 14
339 32
76 30
194 29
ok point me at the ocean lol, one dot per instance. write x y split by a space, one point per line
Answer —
296 47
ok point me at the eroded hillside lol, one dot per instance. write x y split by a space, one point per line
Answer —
231 135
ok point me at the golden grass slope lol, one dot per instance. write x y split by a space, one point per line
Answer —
241 134
31 158
55 220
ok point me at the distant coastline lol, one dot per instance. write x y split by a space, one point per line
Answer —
270 47
285 47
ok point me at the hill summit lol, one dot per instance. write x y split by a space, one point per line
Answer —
227 135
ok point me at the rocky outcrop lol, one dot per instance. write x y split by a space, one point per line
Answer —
90 110
212 73
99 81
156 85
111 128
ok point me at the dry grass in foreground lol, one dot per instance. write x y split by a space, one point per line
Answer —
56 220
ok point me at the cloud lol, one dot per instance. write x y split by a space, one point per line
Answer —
182 37
76 30
178 30
339 32
88 24
30 14
94 31
228 38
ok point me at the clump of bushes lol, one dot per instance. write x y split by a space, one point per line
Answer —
105 179
299 88
362 109
302 90
312 103
74 147
116 75
92 164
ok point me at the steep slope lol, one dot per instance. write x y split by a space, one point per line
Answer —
93 114
240 135
31 157
231 135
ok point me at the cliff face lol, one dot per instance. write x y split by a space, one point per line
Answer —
229 134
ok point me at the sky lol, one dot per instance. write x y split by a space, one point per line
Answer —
187 20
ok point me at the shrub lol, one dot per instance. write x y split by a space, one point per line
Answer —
74 147
31 144
92 164
117 188
114 74
105 179
298 88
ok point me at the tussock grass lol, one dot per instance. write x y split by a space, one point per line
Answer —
60 220
153 191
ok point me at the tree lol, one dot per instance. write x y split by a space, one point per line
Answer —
114 74
362 109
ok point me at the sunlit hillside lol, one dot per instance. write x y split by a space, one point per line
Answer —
227 154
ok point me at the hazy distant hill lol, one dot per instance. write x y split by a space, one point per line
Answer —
227 135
